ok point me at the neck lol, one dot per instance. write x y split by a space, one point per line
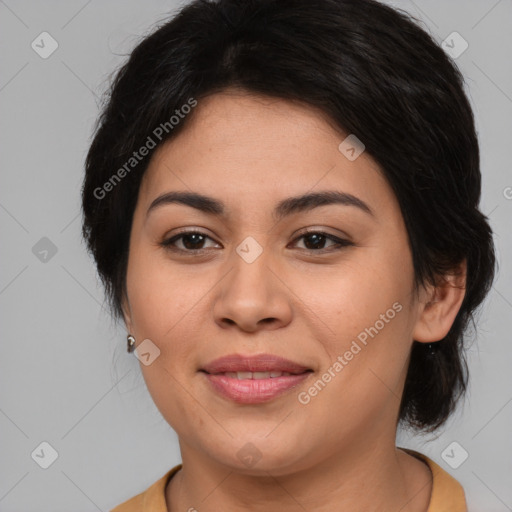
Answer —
376 477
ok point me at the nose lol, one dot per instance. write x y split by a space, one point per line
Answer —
252 296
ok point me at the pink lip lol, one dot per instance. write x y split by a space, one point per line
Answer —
259 363
253 391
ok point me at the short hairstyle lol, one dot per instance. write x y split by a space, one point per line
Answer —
374 73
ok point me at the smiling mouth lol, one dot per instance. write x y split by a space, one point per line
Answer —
253 379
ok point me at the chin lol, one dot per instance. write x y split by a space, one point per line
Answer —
258 455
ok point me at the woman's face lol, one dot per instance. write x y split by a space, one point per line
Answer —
253 283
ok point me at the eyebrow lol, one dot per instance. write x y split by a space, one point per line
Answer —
284 208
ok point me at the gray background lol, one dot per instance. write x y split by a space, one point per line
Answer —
65 377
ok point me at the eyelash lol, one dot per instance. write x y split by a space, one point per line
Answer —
168 243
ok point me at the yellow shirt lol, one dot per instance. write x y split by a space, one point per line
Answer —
447 494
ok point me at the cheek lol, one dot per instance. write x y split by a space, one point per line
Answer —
159 312
159 294
162 303
365 309
354 296
365 361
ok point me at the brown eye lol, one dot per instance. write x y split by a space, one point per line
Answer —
315 241
191 241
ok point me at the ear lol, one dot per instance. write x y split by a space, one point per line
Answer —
440 305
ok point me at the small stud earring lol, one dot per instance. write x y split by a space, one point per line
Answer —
131 343
432 349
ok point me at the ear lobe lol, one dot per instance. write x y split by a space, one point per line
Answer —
437 315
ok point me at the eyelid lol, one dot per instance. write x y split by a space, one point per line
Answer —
321 230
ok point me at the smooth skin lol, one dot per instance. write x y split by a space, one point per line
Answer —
304 298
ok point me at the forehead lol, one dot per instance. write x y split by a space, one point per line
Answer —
251 151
